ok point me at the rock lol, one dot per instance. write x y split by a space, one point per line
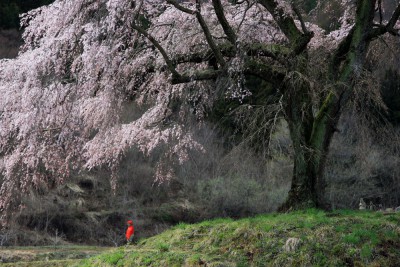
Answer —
389 210
362 204
292 244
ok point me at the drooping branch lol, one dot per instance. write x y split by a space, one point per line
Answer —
219 11
249 5
137 10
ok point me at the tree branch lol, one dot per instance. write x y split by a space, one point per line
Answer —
340 54
251 67
208 35
137 10
298 40
204 27
393 19
388 28
273 51
284 20
219 11
200 75
164 54
181 8
249 5
264 71
300 17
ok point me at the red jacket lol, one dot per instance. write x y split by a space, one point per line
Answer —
130 231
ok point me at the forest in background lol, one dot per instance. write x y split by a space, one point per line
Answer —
228 180
10 31
11 9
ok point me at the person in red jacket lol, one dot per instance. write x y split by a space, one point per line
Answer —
130 232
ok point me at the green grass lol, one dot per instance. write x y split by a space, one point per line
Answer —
340 238
47 255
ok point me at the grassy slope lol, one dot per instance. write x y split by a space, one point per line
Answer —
343 238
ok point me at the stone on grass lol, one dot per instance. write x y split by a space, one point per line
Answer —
292 244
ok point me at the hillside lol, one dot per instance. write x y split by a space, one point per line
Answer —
341 238
344 238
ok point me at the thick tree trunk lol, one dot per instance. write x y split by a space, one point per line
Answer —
308 184
298 114
302 193
312 135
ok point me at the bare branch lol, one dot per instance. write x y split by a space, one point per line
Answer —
249 5
204 27
208 74
300 17
264 71
273 51
181 8
388 28
251 67
393 20
137 10
284 20
208 35
219 11
298 40
380 11
164 54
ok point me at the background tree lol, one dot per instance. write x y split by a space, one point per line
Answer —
311 124
10 10
97 77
